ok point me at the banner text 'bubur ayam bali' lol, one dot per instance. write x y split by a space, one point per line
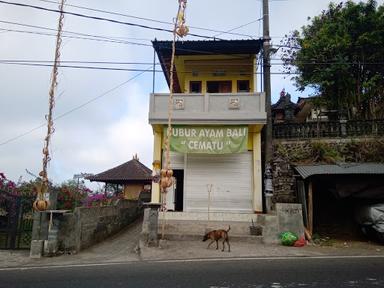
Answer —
209 139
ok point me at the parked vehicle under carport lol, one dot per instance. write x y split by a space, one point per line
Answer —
371 220
331 193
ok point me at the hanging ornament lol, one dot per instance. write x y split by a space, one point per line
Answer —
166 180
41 204
180 28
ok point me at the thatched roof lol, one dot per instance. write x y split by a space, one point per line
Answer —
130 172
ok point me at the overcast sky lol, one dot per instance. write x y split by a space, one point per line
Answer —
103 122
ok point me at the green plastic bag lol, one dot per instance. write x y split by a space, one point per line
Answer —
288 238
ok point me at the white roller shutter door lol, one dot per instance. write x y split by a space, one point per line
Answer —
231 177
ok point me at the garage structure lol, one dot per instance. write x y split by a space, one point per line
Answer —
331 194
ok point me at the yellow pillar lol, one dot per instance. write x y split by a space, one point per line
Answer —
254 69
257 177
155 198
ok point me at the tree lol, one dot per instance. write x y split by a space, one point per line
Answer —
341 55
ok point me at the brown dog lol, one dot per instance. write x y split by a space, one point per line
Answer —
216 235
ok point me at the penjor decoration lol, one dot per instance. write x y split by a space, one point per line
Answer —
41 203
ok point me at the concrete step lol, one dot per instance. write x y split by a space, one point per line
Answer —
201 227
193 226
195 237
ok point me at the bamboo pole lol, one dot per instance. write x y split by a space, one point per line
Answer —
209 188
310 208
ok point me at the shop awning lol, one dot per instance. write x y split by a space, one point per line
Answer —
306 171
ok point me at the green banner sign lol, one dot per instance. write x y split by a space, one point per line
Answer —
208 139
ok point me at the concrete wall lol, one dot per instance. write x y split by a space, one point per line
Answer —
209 108
88 226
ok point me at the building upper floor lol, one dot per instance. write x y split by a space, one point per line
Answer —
213 82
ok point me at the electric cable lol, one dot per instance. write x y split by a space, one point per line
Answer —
75 108
146 19
77 37
75 33
99 18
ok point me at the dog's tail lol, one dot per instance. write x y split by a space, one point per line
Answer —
229 228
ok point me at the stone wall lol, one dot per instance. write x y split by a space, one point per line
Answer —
327 151
88 226
283 181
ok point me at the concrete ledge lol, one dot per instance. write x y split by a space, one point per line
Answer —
195 237
214 216
36 250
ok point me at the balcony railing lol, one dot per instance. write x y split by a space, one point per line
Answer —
215 108
329 129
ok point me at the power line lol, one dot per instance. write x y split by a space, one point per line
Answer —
122 39
79 67
99 18
75 108
113 41
76 37
147 19
102 37
238 27
77 61
128 69
42 63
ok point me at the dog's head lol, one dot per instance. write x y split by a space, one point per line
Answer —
205 238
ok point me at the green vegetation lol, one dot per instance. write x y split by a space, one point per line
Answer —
341 55
332 152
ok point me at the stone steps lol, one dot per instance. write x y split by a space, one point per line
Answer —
195 229
193 225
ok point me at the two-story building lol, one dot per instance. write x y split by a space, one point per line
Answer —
217 117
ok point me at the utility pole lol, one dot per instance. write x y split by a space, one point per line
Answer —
268 149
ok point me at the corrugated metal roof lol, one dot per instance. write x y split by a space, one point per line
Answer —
209 47
306 171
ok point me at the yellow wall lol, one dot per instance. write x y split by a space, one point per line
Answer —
132 191
257 177
254 144
239 67
235 67
157 144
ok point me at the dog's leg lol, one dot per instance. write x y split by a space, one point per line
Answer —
217 244
229 246
223 244
210 243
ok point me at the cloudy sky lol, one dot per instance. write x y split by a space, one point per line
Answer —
103 113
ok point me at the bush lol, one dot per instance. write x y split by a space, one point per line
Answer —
71 195
101 199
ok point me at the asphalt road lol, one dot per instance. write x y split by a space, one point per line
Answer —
260 273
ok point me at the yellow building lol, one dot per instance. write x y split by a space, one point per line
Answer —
217 116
